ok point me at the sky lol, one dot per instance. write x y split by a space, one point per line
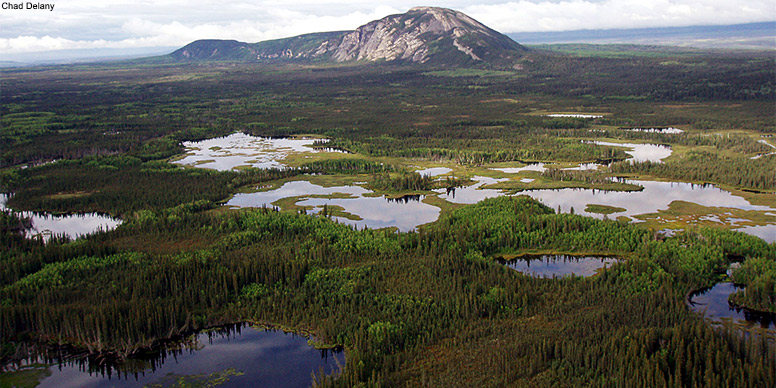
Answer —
132 24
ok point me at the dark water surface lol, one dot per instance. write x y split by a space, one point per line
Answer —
548 266
237 357
713 303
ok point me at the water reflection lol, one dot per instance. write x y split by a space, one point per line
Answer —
472 194
539 167
765 232
713 303
548 266
434 171
239 149
72 225
247 357
405 213
654 197
640 152
670 130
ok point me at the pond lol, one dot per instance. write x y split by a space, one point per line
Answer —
71 225
538 167
434 171
670 130
242 150
373 212
550 266
654 197
241 355
640 152
713 304
575 115
472 194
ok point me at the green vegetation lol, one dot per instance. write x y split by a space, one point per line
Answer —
603 209
759 277
425 308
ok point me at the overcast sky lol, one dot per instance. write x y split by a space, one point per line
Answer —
83 24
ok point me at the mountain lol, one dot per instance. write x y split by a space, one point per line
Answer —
421 35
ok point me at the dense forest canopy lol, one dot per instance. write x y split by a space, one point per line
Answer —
430 307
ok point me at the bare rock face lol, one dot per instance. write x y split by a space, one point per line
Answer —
417 35
422 35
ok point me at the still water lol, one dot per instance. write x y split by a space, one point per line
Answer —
72 225
713 303
241 150
242 356
641 152
549 266
374 212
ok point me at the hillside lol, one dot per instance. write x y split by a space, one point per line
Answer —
421 35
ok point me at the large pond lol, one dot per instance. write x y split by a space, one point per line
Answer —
72 225
242 150
641 152
655 196
713 304
239 357
405 213
550 266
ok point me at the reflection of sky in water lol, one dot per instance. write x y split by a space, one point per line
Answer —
267 359
239 149
473 193
584 166
547 266
514 170
376 212
74 225
575 115
765 232
434 171
379 212
713 303
291 189
655 196
641 152
670 130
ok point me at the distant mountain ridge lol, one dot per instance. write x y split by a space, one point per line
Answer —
421 35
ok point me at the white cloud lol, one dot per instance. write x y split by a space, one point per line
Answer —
78 24
525 16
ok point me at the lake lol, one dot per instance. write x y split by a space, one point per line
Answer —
72 225
550 266
242 355
242 150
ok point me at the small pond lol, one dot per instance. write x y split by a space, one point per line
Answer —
242 150
472 194
670 130
713 303
538 167
575 115
241 355
405 213
434 171
71 225
640 152
549 266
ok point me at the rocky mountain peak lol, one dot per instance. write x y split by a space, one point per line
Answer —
421 35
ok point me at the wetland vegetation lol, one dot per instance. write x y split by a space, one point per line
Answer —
472 165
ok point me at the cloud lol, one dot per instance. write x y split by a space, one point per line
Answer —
531 16
79 24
